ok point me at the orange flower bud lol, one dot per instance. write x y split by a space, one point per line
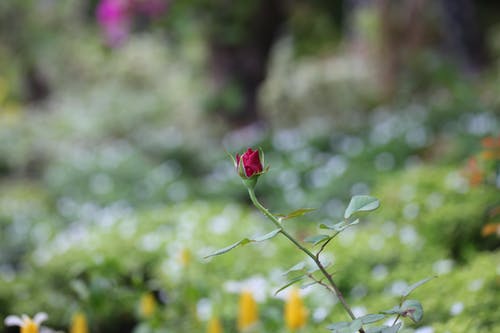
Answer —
490 229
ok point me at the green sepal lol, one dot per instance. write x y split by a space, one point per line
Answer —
250 182
262 158
235 163
241 168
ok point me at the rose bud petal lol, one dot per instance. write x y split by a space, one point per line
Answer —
250 162
249 166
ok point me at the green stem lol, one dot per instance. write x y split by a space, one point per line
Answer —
316 260
396 320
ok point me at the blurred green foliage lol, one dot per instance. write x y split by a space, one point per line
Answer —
106 183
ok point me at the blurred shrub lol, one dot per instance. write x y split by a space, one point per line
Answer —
96 265
468 297
25 222
440 205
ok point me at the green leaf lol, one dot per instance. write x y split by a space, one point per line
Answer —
335 226
315 269
298 267
338 226
296 213
355 326
412 309
346 327
371 318
414 286
245 241
337 326
266 236
392 329
316 239
228 248
361 203
307 285
289 283
375 329
384 329
395 310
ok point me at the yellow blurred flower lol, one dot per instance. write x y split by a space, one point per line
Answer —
147 305
79 323
214 325
295 311
247 311
26 324
185 257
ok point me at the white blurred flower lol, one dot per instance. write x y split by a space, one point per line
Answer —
27 324
204 309
379 272
457 308
359 311
256 285
424 329
476 284
443 266
320 314
408 235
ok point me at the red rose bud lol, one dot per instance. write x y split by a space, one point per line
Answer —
249 166
249 162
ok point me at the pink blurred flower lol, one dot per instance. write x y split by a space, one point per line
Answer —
114 17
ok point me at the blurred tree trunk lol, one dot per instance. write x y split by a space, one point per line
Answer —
20 36
239 67
463 35
400 30
36 86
